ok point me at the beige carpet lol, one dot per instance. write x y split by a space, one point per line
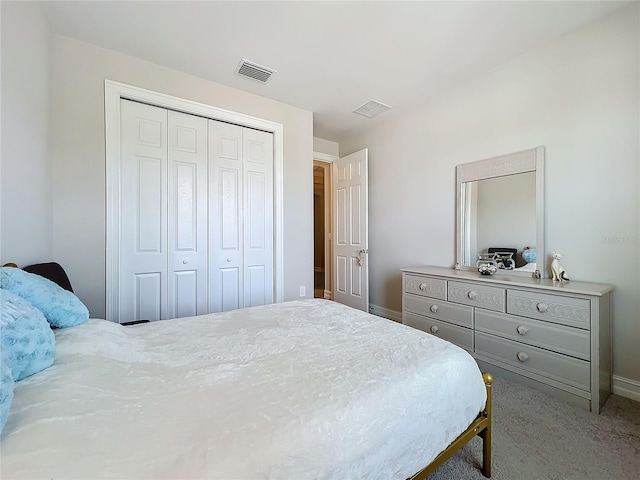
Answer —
537 437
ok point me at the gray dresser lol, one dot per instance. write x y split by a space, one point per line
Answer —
549 335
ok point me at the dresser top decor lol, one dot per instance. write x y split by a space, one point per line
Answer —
584 288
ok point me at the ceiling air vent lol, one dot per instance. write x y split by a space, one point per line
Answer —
371 109
255 71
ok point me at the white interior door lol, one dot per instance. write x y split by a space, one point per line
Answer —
187 215
350 233
143 213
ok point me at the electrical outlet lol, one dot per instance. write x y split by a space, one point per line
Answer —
303 291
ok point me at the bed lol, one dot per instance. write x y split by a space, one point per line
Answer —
302 389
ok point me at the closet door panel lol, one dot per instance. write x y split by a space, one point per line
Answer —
229 294
256 292
143 212
225 216
187 219
229 210
256 211
185 208
149 198
184 286
258 217
147 300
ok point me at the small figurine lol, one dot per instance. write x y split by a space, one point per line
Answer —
557 271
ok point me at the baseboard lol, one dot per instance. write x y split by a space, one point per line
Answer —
327 294
626 387
386 313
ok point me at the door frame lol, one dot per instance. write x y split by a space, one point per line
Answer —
113 93
327 160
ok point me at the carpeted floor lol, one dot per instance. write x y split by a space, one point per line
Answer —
538 437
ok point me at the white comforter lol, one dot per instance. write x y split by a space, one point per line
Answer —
304 389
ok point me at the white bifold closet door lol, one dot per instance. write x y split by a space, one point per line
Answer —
196 215
163 213
241 217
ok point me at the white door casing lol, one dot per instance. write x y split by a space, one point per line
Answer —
324 161
114 92
350 233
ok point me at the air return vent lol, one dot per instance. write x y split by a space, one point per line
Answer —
371 109
255 71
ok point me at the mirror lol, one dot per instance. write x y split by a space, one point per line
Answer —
500 212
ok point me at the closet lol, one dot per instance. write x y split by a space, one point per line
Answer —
196 214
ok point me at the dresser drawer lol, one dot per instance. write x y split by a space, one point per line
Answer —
572 311
426 286
477 295
559 338
440 310
562 368
463 337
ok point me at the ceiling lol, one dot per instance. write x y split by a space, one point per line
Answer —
330 57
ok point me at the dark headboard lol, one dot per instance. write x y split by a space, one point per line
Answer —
52 271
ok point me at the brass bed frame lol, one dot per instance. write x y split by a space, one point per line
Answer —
481 427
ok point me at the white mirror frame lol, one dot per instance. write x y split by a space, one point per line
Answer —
531 160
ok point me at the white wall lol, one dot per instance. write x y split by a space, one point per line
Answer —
579 97
79 71
25 185
320 145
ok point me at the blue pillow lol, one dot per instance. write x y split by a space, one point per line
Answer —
28 343
6 387
59 306
529 255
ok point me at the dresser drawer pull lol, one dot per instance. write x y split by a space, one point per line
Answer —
542 307
523 357
472 295
434 308
521 329
434 329
422 286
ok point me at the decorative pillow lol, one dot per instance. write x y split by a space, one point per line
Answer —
529 255
28 343
59 306
6 387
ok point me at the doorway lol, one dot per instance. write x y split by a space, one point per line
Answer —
322 230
